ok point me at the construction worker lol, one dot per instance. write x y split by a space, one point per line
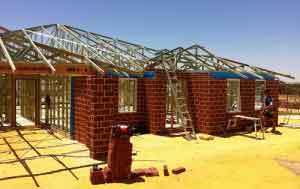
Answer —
47 103
267 111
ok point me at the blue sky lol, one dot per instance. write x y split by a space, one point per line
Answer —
259 32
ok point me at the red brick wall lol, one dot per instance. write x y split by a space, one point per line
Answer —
208 102
96 111
96 106
81 109
155 92
274 86
103 95
198 96
198 101
217 106
206 98
217 114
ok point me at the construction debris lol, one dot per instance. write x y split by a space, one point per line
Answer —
119 153
166 171
148 172
206 137
151 172
107 175
178 170
96 175
138 173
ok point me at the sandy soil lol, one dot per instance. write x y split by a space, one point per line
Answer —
236 162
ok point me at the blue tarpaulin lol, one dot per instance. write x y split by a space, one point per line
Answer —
147 74
232 75
121 74
150 75
214 74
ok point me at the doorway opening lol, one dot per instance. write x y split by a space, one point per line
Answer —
173 117
5 100
55 101
26 98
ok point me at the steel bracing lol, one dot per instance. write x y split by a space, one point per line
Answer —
61 44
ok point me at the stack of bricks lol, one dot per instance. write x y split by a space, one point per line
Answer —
156 103
119 154
120 158
97 175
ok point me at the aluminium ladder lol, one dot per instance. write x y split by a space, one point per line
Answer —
181 104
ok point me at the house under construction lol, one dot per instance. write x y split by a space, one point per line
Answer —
82 83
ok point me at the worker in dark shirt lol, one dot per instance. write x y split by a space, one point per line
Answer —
267 110
47 103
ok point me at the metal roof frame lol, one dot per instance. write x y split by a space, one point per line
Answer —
55 43
196 57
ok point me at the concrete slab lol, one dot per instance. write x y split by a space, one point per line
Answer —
234 162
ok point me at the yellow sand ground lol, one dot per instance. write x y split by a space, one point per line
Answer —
234 162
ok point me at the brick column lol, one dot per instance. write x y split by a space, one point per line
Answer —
273 85
216 106
81 109
198 94
248 97
156 103
103 97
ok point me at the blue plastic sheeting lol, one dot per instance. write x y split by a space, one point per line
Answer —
111 73
150 75
225 75
231 75
266 76
215 75
250 76
147 74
